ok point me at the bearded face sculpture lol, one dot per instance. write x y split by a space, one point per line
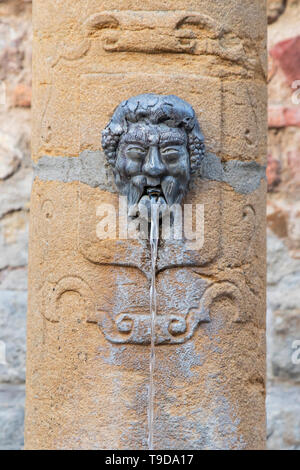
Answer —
153 143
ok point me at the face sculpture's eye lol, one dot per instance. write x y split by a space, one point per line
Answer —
135 152
171 154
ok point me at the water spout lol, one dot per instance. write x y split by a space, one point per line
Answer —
154 236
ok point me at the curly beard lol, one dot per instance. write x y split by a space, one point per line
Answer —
172 190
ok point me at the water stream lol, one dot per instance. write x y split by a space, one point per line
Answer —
154 236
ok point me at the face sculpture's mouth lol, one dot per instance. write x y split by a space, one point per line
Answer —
151 192
154 192
143 191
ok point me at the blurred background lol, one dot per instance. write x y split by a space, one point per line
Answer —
283 215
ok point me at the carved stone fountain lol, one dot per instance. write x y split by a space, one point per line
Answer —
153 143
148 251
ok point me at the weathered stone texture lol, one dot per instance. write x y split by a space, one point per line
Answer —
283 217
283 417
15 185
11 417
275 8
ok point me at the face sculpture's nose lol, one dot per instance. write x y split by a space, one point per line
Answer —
153 165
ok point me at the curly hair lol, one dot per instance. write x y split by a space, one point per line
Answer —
154 109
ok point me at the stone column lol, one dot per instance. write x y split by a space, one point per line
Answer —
87 374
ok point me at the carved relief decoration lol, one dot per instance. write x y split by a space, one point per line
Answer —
170 32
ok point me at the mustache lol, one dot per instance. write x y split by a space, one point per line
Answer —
172 189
